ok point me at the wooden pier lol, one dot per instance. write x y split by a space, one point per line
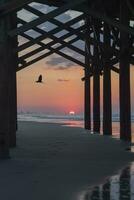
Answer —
107 30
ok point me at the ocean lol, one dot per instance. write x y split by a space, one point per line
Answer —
70 120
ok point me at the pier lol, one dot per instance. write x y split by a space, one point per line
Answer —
107 30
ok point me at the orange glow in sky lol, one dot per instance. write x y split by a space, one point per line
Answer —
62 91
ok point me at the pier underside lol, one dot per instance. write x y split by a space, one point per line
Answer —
106 30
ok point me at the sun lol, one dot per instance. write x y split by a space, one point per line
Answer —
71 112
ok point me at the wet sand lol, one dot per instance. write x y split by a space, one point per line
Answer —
52 162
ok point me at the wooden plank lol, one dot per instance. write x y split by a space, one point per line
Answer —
60 41
48 54
56 30
114 61
11 7
53 20
108 20
58 51
112 68
54 38
34 61
115 69
43 47
102 45
45 18
125 104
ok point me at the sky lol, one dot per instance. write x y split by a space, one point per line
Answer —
62 90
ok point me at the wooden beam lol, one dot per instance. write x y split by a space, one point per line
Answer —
114 69
34 61
13 92
4 89
45 18
59 52
87 92
107 104
34 52
108 20
56 30
54 21
111 50
59 40
59 24
43 47
44 55
96 80
125 108
12 6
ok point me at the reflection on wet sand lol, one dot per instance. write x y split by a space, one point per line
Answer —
118 187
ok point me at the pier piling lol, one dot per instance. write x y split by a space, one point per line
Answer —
124 77
107 104
96 80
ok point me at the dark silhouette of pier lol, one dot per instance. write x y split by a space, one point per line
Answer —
109 40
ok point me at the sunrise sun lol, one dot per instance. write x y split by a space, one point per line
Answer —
71 112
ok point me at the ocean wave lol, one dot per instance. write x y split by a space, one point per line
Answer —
42 116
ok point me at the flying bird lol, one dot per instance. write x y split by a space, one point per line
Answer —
39 79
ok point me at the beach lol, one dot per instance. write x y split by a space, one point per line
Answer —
52 161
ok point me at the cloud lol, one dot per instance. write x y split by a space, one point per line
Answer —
59 63
63 80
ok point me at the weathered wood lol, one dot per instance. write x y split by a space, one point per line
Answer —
43 47
108 20
87 92
45 18
62 42
13 95
4 89
107 104
96 82
41 57
125 110
12 6
54 38
59 52
54 31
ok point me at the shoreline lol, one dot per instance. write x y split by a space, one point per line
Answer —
56 161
